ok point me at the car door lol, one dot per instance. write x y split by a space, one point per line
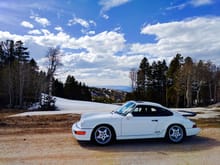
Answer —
163 116
139 123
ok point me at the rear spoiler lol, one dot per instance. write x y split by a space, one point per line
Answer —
187 113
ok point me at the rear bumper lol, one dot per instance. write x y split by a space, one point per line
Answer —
192 131
81 137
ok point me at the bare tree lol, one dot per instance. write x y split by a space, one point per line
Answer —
53 56
8 51
133 77
188 70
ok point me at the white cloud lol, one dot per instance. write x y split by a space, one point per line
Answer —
58 28
43 21
99 69
104 43
6 35
86 25
179 7
197 3
80 21
105 58
108 4
194 3
92 22
193 37
87 32
105 16
92 32
35 31
27 24
117 29
45 32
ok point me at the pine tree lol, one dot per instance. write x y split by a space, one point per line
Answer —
76 90
58 88
143 75
21 55
173 84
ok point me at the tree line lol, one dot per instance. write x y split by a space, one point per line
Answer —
22 83
71 89
183 83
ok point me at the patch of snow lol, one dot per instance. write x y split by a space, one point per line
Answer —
34 106
66 106
201 112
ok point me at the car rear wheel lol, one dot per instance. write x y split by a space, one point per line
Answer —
102 135
175 134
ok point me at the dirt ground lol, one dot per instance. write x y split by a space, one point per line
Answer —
48 140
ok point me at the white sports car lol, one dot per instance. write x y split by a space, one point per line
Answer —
134 120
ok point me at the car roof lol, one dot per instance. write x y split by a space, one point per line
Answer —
147 103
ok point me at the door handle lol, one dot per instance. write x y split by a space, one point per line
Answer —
154 120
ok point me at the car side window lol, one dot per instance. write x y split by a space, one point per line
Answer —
158 111
142 110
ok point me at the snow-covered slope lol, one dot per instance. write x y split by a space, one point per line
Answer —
77 106
66 106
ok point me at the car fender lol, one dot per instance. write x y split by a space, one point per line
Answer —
172 121
111 120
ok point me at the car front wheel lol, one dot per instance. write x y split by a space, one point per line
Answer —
175 134
102 135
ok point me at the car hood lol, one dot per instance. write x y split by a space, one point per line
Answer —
97 115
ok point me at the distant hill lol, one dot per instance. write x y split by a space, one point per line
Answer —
119 88
107 95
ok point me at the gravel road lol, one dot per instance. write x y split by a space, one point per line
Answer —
44 143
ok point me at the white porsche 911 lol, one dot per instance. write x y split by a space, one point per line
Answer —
134 120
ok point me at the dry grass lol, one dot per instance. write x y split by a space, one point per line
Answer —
35 124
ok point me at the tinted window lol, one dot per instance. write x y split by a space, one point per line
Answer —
142 110
158 111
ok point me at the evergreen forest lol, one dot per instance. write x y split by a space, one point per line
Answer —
182 83
22 83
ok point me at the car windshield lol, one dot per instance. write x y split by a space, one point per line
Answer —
126 108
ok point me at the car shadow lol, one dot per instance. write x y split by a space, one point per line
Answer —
196 143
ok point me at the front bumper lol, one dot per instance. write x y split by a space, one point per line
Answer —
77 133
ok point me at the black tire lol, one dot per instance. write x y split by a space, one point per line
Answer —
103 135
175 133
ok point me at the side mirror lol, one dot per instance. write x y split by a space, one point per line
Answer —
129 116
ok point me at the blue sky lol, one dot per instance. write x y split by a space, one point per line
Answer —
101 40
